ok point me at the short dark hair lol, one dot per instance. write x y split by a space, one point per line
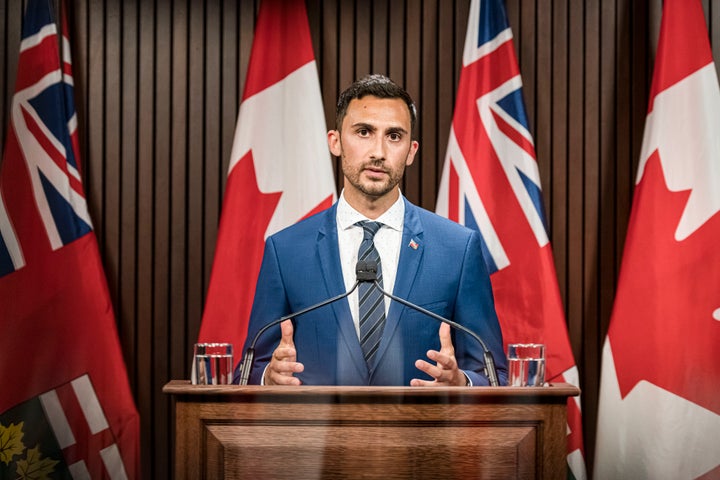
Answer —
375 85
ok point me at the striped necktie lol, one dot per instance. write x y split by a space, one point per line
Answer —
371 302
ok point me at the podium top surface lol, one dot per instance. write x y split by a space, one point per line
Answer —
549 393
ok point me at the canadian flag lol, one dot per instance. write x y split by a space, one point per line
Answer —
280 167
659 411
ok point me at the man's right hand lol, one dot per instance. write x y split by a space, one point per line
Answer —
284 360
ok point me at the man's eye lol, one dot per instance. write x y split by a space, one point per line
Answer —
363 132
395 137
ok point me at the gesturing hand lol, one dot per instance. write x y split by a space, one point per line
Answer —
445 371
284 360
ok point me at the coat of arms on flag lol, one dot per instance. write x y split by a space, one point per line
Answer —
39 438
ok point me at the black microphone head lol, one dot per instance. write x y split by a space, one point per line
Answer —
366 271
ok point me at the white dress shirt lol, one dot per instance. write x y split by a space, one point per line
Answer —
387 242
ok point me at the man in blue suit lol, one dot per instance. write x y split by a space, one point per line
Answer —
424 258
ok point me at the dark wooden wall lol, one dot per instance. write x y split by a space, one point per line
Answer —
158 85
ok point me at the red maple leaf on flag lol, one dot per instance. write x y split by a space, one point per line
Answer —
676 296
246 215
251 211
247 212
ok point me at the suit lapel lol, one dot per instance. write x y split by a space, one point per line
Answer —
329 255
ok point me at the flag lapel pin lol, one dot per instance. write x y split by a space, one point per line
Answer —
413 244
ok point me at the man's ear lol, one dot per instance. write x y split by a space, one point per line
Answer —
333 138
414 145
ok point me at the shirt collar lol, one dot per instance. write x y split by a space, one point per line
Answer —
393 217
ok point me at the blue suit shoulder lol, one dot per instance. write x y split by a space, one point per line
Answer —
433 219
432 223
312 223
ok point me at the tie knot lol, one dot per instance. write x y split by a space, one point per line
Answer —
369 228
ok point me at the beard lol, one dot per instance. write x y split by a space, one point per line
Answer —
369 186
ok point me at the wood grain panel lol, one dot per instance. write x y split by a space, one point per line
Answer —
369 432
468 451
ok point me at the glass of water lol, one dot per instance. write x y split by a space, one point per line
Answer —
526 364
212 364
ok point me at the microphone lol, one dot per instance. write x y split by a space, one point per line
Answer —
250 351
367 272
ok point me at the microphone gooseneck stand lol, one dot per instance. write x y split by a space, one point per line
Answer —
250 351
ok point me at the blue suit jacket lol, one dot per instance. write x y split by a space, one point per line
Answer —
443 271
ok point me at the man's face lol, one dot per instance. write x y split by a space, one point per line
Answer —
375 146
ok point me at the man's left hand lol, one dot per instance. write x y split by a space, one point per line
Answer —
445 371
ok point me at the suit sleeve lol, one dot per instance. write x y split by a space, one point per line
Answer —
475 309
270 303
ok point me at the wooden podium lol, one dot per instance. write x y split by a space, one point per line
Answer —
370 432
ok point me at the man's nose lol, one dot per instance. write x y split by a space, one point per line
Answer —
377 149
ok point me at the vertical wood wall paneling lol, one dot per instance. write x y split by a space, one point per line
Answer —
539 102
178 272
161 238
593 193
361 45
413 74
577 169
346 43
94 159
229 91
328 64
397 26
380 34
593 212
212 117
112 126
428 99
442 84
145 218
196 137
158 86
559 128
126 275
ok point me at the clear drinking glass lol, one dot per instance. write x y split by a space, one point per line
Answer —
526 364
212 364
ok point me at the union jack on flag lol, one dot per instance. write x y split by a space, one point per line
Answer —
45 125
490 182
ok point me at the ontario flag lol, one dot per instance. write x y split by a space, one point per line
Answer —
490 182
659 411
66 408
280 168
